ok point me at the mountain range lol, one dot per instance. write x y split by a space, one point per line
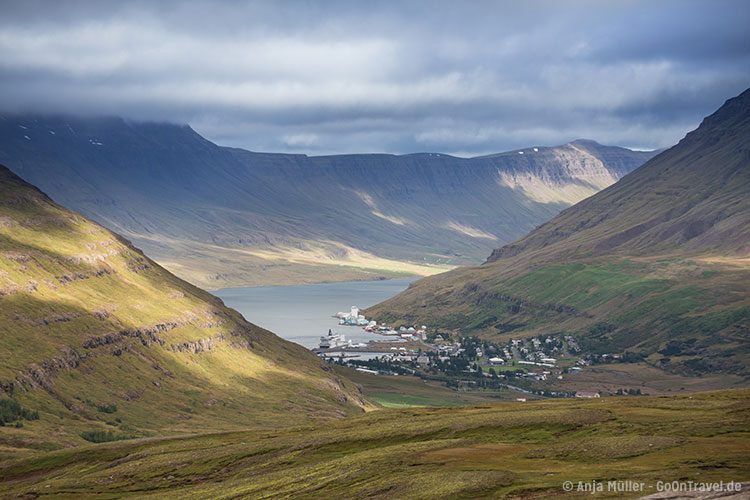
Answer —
220 216
654 268
101 343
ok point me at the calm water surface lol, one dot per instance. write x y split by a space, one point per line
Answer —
302 313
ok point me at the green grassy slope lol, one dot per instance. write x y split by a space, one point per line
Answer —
97 337
660 259
699 307
513 449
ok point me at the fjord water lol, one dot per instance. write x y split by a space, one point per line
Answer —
302 313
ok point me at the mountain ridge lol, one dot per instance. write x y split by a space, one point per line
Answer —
739 108
228 217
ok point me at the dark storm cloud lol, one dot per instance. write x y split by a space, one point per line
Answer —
342 76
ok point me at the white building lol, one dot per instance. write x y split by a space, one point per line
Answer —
587 394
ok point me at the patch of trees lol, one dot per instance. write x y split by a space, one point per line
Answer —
633 357
11 412
103 436
679 348
106 407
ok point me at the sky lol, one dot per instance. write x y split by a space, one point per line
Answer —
464 78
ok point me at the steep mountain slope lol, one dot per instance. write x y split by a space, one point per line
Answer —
99 339
693 198
220 216
657 264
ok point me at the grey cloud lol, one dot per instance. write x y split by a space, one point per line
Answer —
346 76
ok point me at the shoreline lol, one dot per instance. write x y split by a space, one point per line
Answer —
410 279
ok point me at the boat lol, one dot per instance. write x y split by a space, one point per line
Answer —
332 340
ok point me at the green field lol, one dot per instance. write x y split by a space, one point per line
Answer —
412 392
393 400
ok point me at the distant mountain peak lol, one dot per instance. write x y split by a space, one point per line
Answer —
590 142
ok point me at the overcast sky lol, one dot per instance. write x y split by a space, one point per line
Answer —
460 77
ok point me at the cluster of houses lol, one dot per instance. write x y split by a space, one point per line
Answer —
535 358
404 332
530 352
539 355
413 358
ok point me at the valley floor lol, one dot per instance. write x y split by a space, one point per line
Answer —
213 267
413 392
511 449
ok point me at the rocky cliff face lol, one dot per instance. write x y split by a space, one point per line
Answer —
226 216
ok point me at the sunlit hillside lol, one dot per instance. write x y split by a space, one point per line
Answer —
97 338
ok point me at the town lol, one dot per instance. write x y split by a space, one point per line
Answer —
524 365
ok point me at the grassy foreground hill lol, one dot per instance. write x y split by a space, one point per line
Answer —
101 343
656 266
521 450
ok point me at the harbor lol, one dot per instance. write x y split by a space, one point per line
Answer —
303 313
402 344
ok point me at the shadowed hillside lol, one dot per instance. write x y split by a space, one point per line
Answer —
222 216
655 266
102 343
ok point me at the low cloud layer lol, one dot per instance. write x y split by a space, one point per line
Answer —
322 77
